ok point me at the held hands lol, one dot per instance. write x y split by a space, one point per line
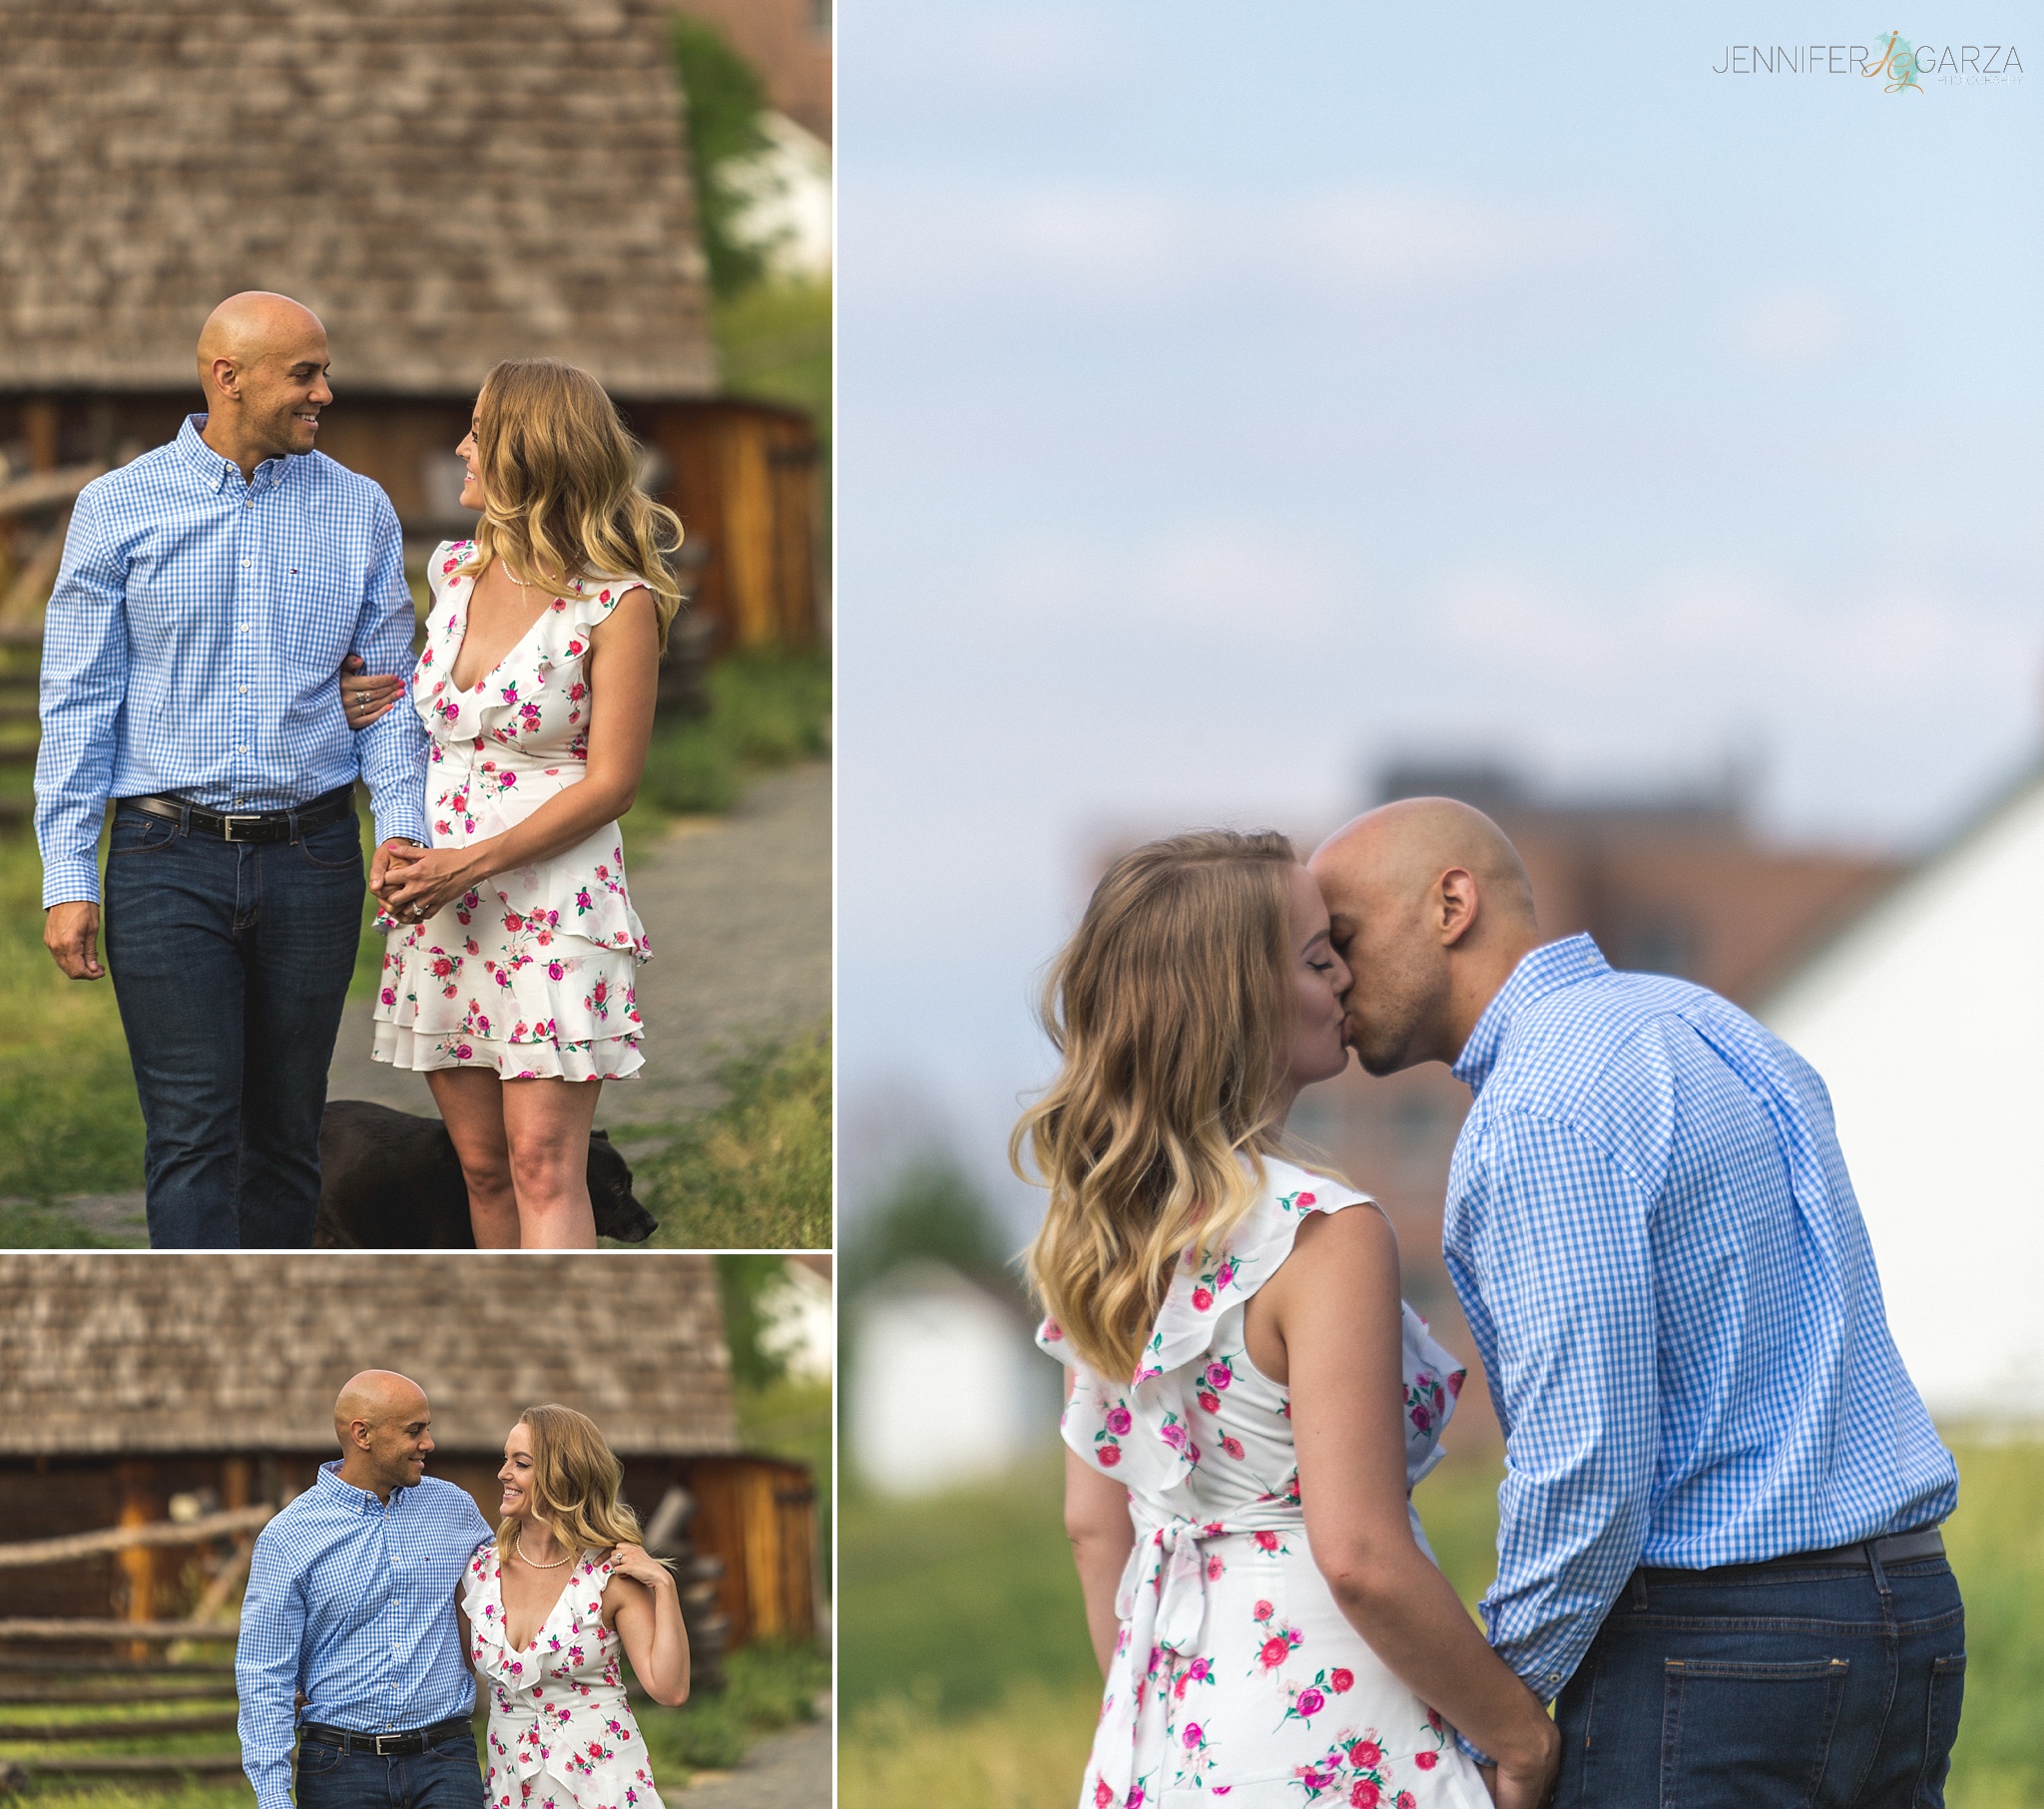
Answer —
70 932
415 882
366 696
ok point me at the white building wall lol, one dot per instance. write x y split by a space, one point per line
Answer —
945 1387
1927 1021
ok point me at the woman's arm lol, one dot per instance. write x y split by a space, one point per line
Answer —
624 676
1102 1534
1334 1310
642 1602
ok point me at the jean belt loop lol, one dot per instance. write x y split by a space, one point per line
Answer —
184 816
1639 1591
292 825
1880 1577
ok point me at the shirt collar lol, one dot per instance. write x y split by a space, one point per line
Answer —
1545 970
217 471
355 1500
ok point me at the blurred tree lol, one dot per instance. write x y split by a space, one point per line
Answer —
726 96
935 1212
742 1281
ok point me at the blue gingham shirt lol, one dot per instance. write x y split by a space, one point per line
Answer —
351 1600
1653 1234
193 640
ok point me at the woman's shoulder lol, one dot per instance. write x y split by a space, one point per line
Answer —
445 562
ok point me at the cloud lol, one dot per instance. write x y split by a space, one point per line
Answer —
1146 244
1789 326
1210 578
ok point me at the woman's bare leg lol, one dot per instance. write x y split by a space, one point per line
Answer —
471 1101
546 1124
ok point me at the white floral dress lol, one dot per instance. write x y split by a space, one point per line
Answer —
1236 1677
561 1733
531 972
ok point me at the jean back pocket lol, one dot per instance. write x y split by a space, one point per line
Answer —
1748 1734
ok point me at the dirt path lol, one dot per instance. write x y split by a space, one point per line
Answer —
791 1770
738 911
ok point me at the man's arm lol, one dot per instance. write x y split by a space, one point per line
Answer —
393 750
1556 1248
267 1673
84 683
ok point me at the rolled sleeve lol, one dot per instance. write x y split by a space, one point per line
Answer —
1553 1259
266 1675
83 686
393 750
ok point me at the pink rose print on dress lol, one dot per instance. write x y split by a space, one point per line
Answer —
1203 1298
1211 1402
1233 1446
1426 1761
1341 1681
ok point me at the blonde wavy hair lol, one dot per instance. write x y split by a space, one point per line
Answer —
1170 1009
560 482
575 1483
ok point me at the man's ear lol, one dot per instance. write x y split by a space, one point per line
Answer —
1457 903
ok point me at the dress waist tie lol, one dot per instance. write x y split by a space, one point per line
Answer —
1162 1606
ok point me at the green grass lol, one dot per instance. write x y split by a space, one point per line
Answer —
771 1684
69 1121
967 1678
755 1172
774 342
769 706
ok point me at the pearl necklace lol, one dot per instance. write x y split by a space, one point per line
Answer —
518 1546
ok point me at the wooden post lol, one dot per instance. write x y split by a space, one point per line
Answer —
138 1508
39 428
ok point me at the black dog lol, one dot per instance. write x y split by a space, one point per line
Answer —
391 1181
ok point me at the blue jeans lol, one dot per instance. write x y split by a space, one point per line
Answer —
1806 1687
231 962
447 1776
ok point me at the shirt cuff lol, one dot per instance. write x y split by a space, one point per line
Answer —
73 881
1469 1749
405 821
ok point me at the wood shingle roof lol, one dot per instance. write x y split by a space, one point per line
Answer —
157 1353
447 182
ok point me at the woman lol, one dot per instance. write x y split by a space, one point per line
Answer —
1260 1598
509 972
550 1605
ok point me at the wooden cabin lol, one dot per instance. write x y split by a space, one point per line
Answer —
445 186
180 1388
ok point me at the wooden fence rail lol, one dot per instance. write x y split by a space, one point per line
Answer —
202 1531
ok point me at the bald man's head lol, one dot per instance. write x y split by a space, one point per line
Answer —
263 364
1432 908
384 1426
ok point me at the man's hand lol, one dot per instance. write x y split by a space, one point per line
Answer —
379 863
70 932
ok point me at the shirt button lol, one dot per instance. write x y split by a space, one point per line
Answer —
248 562
245 690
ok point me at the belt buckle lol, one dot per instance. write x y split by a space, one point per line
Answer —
227 834
381 1737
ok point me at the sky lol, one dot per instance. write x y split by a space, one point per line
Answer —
1233 402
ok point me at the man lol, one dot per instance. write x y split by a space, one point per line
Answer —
350 1607
1719 1520
209 593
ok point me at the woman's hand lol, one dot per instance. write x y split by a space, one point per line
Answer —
1527 1783
634 1561
419 881
366 696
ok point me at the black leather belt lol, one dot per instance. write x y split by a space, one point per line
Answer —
389 1745
249 825
1897 1547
